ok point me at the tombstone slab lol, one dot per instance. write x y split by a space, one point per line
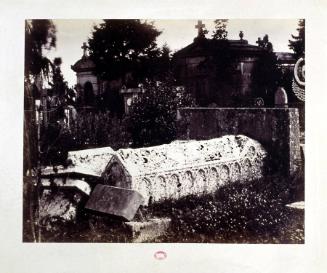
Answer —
281 97
115 201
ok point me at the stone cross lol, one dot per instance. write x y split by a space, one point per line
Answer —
84 47
200 27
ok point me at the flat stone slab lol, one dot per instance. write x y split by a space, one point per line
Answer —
149 230
115 201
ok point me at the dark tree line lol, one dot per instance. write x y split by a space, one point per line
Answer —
39 35
298 42
125 53
127 50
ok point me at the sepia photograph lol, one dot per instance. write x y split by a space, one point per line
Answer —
164 131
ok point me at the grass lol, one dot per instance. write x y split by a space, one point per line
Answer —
242 212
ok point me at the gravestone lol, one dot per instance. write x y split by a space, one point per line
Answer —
115 201
281 99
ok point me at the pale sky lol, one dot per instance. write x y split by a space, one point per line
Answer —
176 33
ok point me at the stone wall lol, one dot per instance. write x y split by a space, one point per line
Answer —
277 129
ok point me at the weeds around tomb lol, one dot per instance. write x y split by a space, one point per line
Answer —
250 212
242 212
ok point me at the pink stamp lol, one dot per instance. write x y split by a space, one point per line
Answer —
160 255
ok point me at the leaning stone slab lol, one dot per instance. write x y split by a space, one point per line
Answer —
115 201
58 206
149 230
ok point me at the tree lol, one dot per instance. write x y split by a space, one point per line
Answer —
265 43
220 32
158 68
40 35
266 75
121 47
58 85
152 119
298 42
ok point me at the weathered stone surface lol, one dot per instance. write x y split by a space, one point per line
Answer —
58 206
149 230
185 167
281 97
95 160
135 177
66 182
115 201
277 129
90 162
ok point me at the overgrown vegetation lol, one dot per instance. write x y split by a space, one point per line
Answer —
152 119
266 76
242 212
297 44
250 212
89 130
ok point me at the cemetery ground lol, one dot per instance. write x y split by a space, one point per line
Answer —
242 212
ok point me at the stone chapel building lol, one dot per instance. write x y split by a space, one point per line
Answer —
88 85
220 72
92 92
215 72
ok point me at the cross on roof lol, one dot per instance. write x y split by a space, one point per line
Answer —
84 47
200 27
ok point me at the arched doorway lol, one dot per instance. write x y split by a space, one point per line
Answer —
88 94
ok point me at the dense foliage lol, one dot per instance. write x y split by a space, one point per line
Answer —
39 35
242 212
298 42
152 119
239 212
220 32
59 86
124 49
266 76
89 130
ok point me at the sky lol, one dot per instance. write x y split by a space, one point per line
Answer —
176 33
